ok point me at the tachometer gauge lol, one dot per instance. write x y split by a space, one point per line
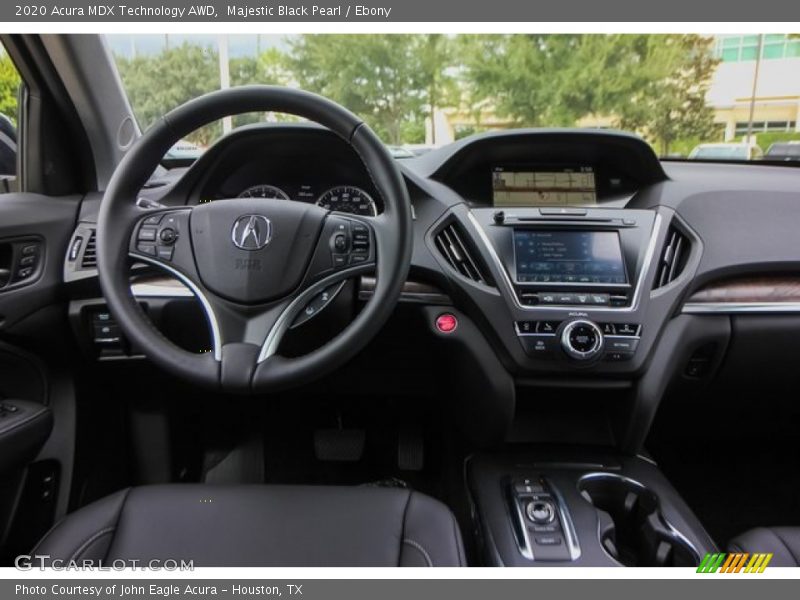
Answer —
348 199
264 191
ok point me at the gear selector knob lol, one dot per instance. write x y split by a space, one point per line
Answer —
540 511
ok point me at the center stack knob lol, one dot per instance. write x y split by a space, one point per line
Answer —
582 340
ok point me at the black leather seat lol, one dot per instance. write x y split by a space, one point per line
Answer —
261 526
782 542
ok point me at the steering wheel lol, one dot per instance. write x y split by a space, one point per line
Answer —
254 264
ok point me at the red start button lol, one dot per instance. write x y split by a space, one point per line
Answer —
446 323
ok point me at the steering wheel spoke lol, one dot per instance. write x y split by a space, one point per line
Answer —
162 238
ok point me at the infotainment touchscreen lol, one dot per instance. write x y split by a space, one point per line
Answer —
576 257
543 186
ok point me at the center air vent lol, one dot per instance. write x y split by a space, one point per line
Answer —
453 245
673 258
89 260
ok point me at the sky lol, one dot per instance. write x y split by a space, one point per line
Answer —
238 45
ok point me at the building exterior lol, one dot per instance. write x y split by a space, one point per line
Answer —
777 95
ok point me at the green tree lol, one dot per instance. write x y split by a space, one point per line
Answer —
267 68
392 81
436 54
672 106
518 76
9 86
158 83
655 84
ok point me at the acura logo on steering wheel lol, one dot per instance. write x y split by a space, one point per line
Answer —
251 232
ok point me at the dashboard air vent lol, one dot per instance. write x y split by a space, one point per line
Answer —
673 258
89 260
451 242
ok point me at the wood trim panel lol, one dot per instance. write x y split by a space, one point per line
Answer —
779 288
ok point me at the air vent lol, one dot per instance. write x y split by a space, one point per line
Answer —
451 242
673 258
89 260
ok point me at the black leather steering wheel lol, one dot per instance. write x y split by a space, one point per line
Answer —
254 264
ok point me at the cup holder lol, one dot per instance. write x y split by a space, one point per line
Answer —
632 528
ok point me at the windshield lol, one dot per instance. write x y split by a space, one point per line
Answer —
720 97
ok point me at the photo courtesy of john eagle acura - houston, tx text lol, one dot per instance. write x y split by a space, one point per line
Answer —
397 299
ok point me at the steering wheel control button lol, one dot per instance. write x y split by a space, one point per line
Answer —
350 243
582 340
167 235
446 323
340 242
154 220
540 512
147 234
149 249
360 238
317 304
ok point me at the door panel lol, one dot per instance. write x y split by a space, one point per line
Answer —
34 344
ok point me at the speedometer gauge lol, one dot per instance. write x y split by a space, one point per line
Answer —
264 191
348 199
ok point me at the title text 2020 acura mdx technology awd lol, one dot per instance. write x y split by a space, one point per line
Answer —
534 347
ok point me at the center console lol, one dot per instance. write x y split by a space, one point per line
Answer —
576 282
579 508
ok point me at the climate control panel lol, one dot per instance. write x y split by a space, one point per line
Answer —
579 340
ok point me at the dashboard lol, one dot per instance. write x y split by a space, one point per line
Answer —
302 164
569 258
547 168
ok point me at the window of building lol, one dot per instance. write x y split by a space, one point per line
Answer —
739 48
765 126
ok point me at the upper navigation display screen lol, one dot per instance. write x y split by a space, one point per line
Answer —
547 186
578 257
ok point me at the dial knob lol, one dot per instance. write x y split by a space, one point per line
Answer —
582 340
540 511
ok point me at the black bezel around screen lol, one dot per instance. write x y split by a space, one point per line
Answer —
618 258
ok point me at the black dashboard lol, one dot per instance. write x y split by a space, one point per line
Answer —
545 168
636 287
299 163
